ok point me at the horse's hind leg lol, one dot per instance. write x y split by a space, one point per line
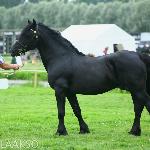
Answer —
77 111
138 108
140 99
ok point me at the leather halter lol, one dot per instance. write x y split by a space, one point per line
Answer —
24 47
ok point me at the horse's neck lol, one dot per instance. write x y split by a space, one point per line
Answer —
51 50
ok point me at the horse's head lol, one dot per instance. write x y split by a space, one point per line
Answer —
27 39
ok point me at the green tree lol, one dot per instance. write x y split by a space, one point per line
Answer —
133 16
2 15
141 16
92 1
9 3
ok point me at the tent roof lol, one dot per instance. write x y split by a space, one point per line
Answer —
94 38
92 32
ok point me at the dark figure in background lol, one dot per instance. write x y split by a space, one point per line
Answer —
115 48
70 72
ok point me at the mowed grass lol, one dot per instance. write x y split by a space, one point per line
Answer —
30 114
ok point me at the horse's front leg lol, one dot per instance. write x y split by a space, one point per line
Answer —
60 97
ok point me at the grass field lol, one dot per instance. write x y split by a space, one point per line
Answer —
30 114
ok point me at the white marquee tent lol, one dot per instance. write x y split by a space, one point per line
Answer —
94 39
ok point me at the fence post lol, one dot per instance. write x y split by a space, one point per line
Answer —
35 80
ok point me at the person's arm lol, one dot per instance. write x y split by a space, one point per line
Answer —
6 66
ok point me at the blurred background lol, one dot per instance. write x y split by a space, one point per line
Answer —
95 27
131 16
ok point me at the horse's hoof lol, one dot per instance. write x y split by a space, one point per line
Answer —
85 131
62 132
135 132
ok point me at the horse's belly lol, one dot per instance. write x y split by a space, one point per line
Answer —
91 91
90 87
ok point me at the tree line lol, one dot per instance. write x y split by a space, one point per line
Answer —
12 3
131 15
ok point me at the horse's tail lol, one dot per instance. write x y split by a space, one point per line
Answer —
146 59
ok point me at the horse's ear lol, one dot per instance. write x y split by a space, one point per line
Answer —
29 22
34 24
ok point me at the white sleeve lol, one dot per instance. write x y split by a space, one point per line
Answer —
1 60
19 61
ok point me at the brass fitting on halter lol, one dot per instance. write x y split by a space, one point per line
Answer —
35 33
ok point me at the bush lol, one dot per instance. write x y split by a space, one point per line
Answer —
24 76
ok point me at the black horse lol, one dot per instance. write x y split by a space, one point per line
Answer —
70 72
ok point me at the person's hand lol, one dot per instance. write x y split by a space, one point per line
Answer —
16 66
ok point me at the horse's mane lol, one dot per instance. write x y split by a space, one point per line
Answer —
58 36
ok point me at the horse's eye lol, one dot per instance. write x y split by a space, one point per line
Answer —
27 35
